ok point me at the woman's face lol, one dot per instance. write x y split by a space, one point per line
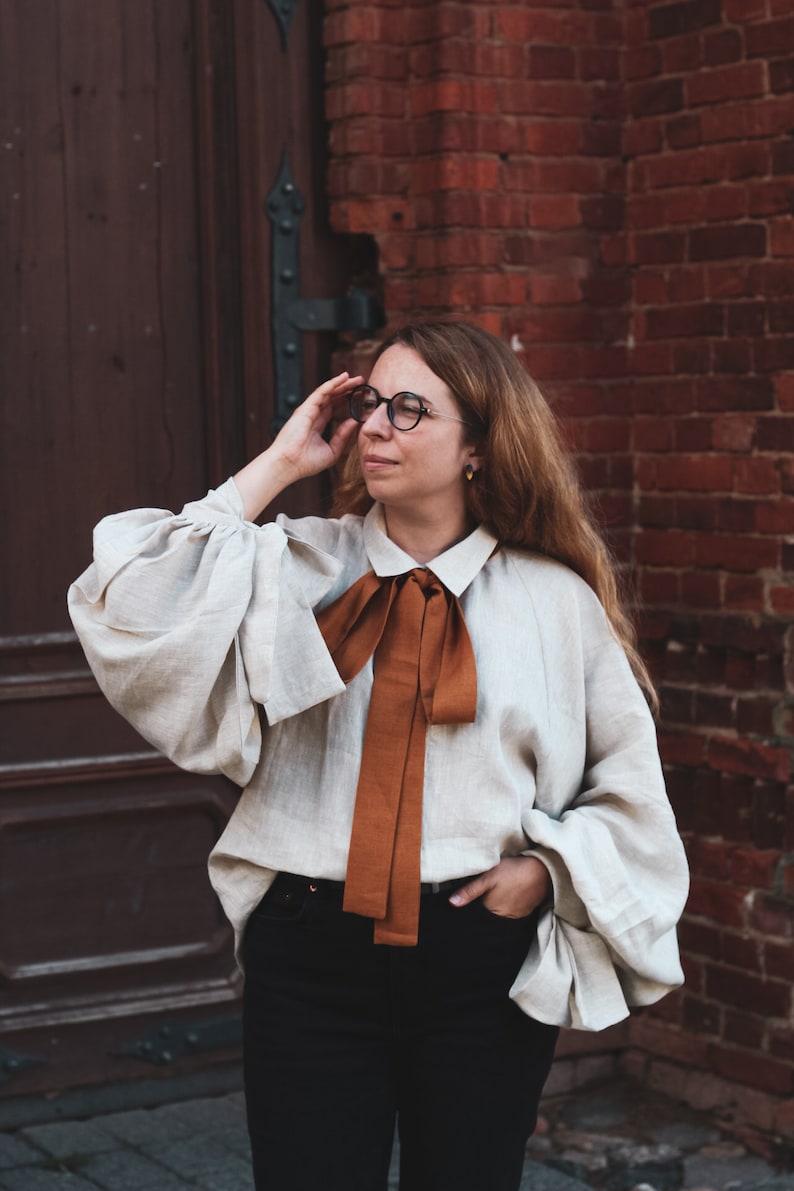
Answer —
417 472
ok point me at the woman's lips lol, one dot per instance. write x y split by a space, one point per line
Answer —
377 462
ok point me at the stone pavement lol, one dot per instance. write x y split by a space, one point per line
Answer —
611 1138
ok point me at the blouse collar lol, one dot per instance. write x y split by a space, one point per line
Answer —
455 567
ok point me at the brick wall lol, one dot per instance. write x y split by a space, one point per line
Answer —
608 187
709 241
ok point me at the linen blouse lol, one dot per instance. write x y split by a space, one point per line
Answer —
200 629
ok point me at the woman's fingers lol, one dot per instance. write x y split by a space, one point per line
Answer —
513 888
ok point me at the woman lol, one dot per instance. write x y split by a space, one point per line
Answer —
444 852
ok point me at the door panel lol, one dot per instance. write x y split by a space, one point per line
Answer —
136 369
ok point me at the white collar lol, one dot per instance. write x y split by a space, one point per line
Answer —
455 567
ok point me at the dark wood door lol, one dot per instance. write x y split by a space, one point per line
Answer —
136 368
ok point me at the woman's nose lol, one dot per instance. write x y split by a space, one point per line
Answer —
377 424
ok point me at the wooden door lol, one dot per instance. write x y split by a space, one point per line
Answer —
140 143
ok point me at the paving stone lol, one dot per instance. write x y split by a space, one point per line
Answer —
125 1170
780 1182
639 1155
65 1139
539 1177
236 1175
199 1116
194 1157
683 1135
15 1151
30 1178
599 1143
661 1176
603 1112
720 1173
142 1128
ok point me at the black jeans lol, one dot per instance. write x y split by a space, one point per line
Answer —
343 1037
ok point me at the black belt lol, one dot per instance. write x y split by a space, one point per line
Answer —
295 881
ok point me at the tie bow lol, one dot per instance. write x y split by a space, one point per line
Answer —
424 673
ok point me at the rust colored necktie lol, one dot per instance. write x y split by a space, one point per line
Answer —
424 673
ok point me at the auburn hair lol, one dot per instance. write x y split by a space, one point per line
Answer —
527 492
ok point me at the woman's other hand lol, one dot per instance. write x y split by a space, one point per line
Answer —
513 888
299 449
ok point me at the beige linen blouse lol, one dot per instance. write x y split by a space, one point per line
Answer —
194 623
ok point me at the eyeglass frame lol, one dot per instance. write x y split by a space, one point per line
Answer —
387 401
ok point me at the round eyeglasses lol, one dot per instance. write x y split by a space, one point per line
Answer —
404 410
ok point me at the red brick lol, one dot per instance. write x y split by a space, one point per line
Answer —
736 553
716 901
781 600
746 121
551 290
749 757
698 166
671 548
781 75
755 868
743 591
734 432
655 97
730 357
746 320
452 55
440 21
373 214
553 211
642 137
365 98
723 46
700 590
729 281
779 960
643 61
772 915
551 62
740 11
758 1071
672 322
727 241
686 16
552 137
773 353
545 98
455 173
776 434
681 750
726 83
756 475
775 517
682 55
781 236
769 38
451 96
742 393
656 248
695 473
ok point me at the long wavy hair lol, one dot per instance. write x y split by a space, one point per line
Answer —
527 492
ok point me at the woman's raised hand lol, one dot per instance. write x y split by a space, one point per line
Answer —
300 445
299 449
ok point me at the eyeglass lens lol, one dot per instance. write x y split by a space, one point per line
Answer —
404 409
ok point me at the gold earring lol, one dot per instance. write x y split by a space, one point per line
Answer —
468 471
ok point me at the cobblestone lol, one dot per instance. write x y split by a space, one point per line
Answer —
613 1138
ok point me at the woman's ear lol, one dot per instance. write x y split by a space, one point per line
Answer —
474 458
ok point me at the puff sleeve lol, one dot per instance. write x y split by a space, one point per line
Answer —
191 622
616 860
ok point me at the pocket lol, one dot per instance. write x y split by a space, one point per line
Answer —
285 901
524 921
